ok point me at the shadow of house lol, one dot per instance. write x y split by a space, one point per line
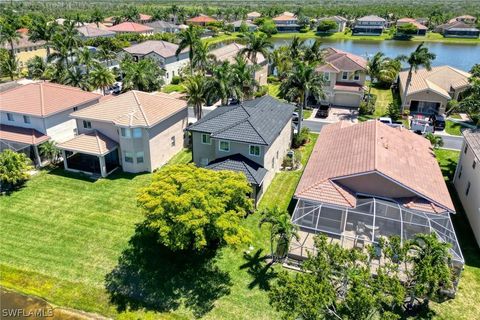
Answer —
150 276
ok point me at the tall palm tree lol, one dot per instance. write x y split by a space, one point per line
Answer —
280 61
86 58
420 57
282 230
220 84
144 75
43 30
256 43
36 68
70 35
9 66
196 89
101 77
374 66
76 78
296 48
9 35
301 82
314 53
202 57
244 77
189 38
50 151
61 53
131 14
97 17
105 54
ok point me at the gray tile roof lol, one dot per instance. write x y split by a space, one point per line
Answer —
160 24
472 136
257 121
254 172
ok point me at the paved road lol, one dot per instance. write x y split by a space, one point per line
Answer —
452 142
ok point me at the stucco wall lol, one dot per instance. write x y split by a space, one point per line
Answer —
375 184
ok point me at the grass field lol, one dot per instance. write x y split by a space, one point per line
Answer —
453 128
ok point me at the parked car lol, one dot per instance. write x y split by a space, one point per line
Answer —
116 88
386 120
438 121
421 125
295 117
323 111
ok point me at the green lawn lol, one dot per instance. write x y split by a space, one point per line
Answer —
169 88
453 128
273 89
223 38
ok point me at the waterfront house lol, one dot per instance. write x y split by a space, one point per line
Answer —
345 74
144 18
467 179
458 29
163 53
37 112
430 91
136 131
286 22
369 25
238 24
421 29
160 26
131 27
251 16
201 20
366 182
252 137
468 19
340 21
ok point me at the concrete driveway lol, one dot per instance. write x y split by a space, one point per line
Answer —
337 113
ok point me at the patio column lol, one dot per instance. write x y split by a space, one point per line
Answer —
64 156
103 167
37 155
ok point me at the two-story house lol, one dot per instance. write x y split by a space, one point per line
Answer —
340 21
37 112
286 22
252 137
137 131
25 49
369 25
345 74
467 179
131 27
162 52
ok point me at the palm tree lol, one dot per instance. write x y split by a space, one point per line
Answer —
61 53
131 14
102 78
105 54
97 17
256 43
196 89
296 48
9 66
50 151
315 53
36 68
420 57
9 35
202 57
43 30
76 78
174 10
144 75
189 38
282 230
280 61
220 84
243 77
374 66
301 82
70 35
86 58
436 141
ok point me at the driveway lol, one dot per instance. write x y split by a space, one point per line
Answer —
337 114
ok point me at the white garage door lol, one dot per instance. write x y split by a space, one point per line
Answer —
347 100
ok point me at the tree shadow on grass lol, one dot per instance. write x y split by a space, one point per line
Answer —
258 268
151 276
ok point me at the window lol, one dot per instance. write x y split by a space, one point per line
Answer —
224 146
254 150
460 172
273 163
356 76
26 119
75 108
206 139
9 117
129 157
139 156
345 75
474 164
277 154
326 76
468 188
125 132
465 150
87 124
172 141
137 132
203 161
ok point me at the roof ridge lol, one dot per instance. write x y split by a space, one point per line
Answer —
375 153
248 120
140 107
97 139
42 101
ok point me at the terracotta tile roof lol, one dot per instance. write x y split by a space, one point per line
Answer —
162 48
145 17
338 61
412 21
464 17
344 149
254 14
91 31
438 79
24 42
22 30
92 142
286 16
201 19
134 109
130 27
22 135
230 51
44 98
472 137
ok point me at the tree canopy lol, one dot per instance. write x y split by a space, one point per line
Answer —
196 208
14 168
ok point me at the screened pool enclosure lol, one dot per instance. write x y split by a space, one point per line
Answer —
365 224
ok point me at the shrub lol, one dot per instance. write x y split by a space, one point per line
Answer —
14 169
261 91
176 80
301 138
272 79
366 108
304 29
326 26
393 111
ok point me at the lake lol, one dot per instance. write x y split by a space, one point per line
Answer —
461 56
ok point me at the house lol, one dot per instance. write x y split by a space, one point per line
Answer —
137 131
252 137
286 22
91 31
162 52
25 49
467 179
251 16
430 91
144 18
367 181
238 24
131 27
465 19
345 74
160 26
230 51
37 112
340 21
201 20
458 29
421 29
369 25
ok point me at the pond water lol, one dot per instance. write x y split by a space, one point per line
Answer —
461 56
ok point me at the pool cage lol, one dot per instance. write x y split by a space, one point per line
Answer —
371 220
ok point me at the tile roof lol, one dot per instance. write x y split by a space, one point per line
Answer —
92 142
254 14
130 27
472 137
230 51
144 17
286 16
257 121
160 24
238 24
457 25
134 109
372 18
254 172
334 18
91 31
344 149
201 19
162 48
439 79
42 99
412 21
24 42
22 135
337 61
